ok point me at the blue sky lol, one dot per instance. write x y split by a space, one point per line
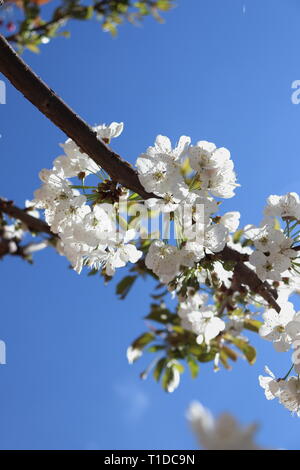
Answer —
216 70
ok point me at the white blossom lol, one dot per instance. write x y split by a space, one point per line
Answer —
121 251
207 326
192 304
200 319
133 354
286 390
283 206
231 220
214 169
12 231
269 266
274 326
211 239
33 247
174 381
79 164
290 395
235 325
106 133
159 168
164 260
271 386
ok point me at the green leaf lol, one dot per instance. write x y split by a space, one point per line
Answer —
160 314
92 272
33 48
237 236
159 368
159 296
169 376
143 340
238 312
223 359
193 366
124 286
253 325
80 12
179 367
142 7
155 348
32 11
202 353
229 265
109 27
89 12
229 353
163 5
248 351
65 34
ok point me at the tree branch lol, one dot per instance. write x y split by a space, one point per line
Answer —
247 276
34 224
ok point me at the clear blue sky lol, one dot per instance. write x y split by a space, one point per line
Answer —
216 70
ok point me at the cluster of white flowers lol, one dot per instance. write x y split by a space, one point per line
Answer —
275 259
165 260
200 319
287 391
285 207
161 171
88 234
275 254
221 434
283 329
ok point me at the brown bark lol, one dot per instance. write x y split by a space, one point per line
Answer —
34 224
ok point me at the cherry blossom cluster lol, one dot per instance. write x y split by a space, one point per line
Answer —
275 259
188 175
276 247
87 232
286 390
160 170
87 227
283 329
201 319
182 176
